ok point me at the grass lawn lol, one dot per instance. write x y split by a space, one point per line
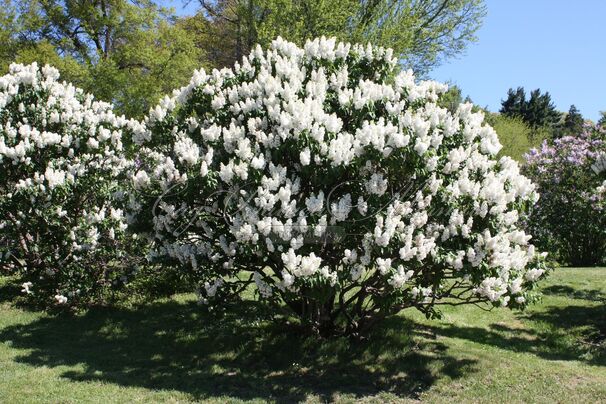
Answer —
170 351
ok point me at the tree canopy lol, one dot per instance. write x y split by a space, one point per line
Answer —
132 52
127 52
573 122
538 111
421 32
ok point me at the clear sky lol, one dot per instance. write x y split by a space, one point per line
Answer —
555 45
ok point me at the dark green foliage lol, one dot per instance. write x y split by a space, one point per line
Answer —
537 112
515 104
573 123
540 110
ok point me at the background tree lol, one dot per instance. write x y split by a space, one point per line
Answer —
422 32
452 98
515 103
573 123
131 52
516 137
212 39
602 120
538 111
7 27
127 52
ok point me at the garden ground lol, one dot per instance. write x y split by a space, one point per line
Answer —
171 351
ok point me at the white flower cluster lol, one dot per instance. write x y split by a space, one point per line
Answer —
324 167
61 153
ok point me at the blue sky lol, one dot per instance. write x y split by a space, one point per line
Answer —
556 45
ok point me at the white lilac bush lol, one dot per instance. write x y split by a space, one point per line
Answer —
61 157
332 183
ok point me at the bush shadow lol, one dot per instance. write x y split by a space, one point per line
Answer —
559 333
239 354
593 295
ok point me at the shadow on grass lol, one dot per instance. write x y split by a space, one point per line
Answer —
592 295
170 345
559 333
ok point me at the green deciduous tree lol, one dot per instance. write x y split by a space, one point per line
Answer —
452 98
421 32
127 52
8 44
515 135
131 52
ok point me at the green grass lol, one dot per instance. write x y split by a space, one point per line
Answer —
170 351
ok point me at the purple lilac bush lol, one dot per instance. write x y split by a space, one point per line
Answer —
570 218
